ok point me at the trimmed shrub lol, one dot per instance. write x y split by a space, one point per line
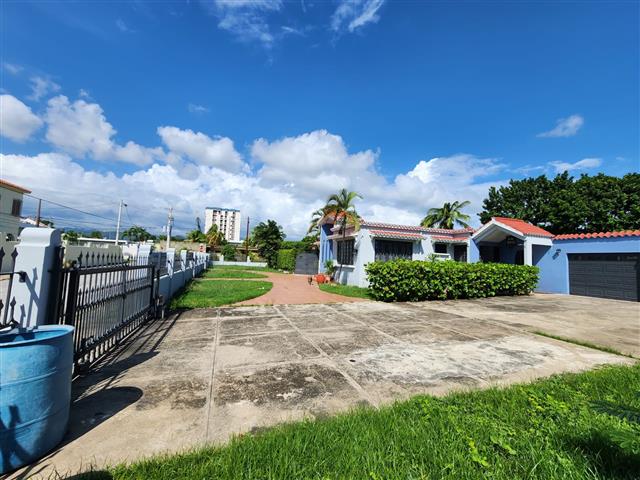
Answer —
410 280
287 259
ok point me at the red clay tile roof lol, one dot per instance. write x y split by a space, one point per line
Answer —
449 239
417 228
13 186
523 227
622 233
399 235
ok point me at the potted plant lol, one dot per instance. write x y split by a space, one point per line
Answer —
330 269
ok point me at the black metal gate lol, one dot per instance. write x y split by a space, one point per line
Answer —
104 303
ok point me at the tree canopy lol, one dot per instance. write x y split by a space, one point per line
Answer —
341 206
267 237
137 234
448 216
563 204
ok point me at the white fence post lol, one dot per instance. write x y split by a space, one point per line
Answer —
36 257
171 254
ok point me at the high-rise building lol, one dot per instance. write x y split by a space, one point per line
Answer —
227 220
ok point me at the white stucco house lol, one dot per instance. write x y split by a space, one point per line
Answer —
10 209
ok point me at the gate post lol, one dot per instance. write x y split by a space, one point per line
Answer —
36 257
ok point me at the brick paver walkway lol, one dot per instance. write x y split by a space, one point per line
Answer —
291 289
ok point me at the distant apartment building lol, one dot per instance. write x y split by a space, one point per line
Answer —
10 209
227 220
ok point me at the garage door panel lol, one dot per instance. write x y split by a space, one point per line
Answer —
604 275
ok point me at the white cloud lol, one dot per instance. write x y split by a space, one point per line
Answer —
201 149
12 68
80 129
354 14
41 87
17 121
246 19
565 127
583 164
197 109
122 26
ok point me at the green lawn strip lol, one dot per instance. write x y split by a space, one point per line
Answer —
582 343
242 267
216 273
345 290
543 430
214 293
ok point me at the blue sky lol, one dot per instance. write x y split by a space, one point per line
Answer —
270 106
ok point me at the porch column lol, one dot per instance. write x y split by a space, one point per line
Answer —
528 251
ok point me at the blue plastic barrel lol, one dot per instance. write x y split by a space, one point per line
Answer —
35 392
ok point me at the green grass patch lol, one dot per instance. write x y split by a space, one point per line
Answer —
248 268
214 293
346 290
544 430
217 273
602 348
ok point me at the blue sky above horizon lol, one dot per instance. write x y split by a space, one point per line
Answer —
269 106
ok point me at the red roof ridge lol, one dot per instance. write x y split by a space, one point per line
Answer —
13 186
615 234
522 226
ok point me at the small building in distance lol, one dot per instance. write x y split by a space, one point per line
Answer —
227 220
10 209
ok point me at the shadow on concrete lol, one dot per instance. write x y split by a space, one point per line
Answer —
88 410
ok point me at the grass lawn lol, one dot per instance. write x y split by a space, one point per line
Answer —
543 430
346 290
231 273
242 267
214 293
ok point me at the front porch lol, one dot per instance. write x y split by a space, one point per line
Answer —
509 241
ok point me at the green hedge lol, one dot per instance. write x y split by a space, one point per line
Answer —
407 280
287 259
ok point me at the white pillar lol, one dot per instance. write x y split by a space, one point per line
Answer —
171 253
36 257
528 251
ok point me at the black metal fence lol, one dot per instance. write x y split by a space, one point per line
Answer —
104 301
7 277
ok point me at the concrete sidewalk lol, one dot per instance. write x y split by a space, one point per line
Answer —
201 376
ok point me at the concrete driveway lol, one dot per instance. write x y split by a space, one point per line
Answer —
204 375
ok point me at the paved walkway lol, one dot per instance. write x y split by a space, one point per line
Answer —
291 289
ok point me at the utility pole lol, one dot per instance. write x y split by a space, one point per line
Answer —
38 212
246 239
169 227
122 204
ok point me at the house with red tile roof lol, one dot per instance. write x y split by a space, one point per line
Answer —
10 209
596 264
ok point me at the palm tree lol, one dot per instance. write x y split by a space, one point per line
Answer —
447 216
313 223
214 237
341 207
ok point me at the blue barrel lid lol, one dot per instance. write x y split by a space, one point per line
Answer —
24 336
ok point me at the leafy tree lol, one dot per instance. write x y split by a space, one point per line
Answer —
448 216
96 234
341 207
268 238
564 205
214 237
137 234
70 236
196 236
229 252
313 223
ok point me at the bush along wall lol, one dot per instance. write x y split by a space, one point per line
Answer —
287 259
410 280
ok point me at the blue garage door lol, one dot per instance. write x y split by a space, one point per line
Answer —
605 275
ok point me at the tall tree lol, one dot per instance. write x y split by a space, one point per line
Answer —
448 216
267 237
341 207
567 205
137 234
214 237
196 236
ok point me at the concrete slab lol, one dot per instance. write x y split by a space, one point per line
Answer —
205 375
